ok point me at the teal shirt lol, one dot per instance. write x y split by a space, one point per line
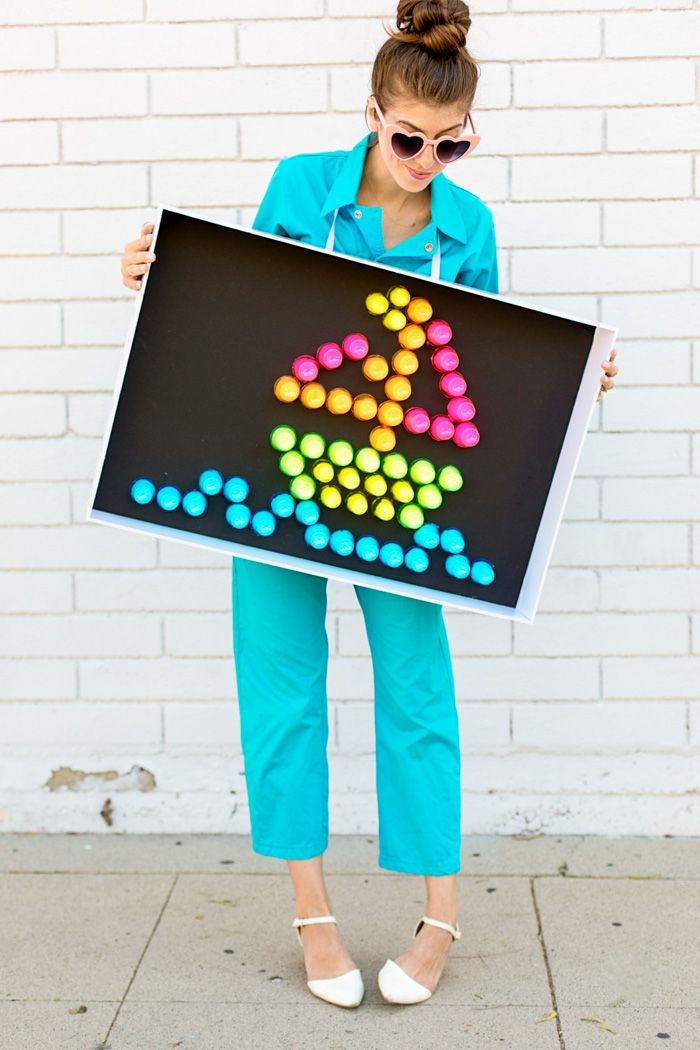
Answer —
305 190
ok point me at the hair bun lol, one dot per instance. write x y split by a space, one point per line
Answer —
439 25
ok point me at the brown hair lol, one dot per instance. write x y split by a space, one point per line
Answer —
427 58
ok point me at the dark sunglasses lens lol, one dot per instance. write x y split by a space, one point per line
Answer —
449 151
406 146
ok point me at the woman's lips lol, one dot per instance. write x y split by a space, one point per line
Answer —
419 175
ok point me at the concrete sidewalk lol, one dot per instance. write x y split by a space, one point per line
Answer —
184 942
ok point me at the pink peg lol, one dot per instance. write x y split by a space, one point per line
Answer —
441 428
438 333
452 384
466 435
445 360
329 355
416 421
461 409
355 346
305 368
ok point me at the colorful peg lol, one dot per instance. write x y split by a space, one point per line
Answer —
377 304
382 438
357 503
263 523
236 489
312 446
401 491
383 509
410 516
441 428
364 407
282 504
445 359
394 320
342 542
292 463
330 496
404 362
210 482
452 384
428 536
329 355
483 572
313 395
416 421
367 548
194 503
395 465
307 512
375 368
390 414
349 478
355 346
439 333
416 559
457 565
422 471
339 400
340 453
302 487
305 368
143 491
317 536
168 497
376 485
323 471
412 337
397 388
450 478
429 497
466 435
399 296
419 310
367 459
238 515
283 438
452 541
391 554
286 388
461 409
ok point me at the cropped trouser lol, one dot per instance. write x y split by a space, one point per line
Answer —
281 653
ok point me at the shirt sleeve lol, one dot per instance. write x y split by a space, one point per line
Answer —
481 268
269 217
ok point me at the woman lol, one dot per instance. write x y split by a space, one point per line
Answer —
385 200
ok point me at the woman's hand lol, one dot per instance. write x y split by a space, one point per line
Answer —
610 369
137 258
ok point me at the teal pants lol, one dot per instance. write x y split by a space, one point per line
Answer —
281 654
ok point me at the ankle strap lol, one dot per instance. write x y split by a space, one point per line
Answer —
313 918
454 930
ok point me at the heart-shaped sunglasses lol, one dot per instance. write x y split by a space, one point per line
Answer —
407 144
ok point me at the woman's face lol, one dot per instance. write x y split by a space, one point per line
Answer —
413 115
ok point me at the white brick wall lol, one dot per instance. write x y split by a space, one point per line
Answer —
115 648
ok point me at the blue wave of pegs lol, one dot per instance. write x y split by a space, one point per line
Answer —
449 542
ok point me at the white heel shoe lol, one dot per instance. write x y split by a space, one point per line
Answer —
345 990
396 985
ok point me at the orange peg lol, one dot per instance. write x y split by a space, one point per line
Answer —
382 438
404 362
287 388
397 388
364 406
419 311
375 367
390 414
412 337
339 400
313 395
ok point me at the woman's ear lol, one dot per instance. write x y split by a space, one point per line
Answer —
370 120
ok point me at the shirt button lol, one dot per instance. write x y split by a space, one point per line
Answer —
429 246
358 214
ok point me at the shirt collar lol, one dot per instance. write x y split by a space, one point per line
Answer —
445 213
